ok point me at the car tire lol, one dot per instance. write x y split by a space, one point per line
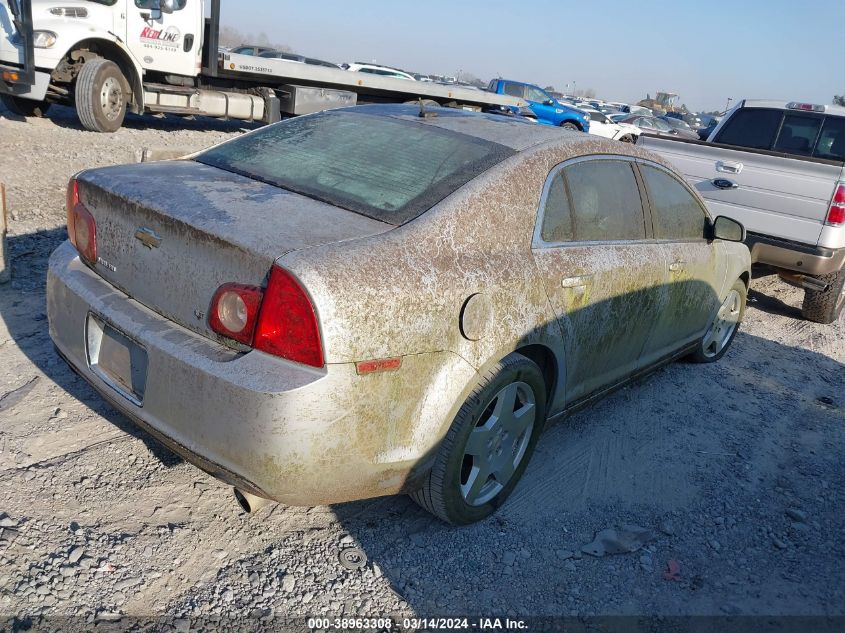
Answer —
724 327
569 125
102 93
24 107
825 307
456 489
628 139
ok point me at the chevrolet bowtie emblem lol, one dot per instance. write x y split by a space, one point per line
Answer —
148 238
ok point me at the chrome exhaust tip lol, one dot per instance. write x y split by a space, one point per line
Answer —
249 502
805 282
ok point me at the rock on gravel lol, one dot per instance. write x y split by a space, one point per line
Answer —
75 554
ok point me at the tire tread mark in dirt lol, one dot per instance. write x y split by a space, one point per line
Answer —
56 461
13 397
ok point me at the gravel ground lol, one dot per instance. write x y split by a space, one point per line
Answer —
735 470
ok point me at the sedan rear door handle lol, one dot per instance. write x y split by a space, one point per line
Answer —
676 266
576 282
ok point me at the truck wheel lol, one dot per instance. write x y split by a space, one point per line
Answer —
488 446
725 325
24 107
101 96
825 307
569 125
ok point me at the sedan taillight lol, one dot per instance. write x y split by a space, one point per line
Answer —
280 320
234 311
287 326
81 226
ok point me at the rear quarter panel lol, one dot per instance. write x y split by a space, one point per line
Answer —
402 293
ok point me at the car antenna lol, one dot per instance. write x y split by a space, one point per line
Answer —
424 114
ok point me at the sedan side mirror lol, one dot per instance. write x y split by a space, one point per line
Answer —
725 228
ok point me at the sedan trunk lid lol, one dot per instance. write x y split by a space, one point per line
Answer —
170 248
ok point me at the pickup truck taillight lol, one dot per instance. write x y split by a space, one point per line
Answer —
81 227
836 213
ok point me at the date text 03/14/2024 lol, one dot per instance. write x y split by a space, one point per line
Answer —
417 623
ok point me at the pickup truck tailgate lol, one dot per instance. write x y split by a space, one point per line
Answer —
774 195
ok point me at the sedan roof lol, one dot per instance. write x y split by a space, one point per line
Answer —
514 133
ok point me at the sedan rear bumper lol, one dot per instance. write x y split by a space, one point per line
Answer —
275 428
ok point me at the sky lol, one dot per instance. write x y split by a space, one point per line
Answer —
623 50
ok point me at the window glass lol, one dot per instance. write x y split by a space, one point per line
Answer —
557 218
515 90
645 124
384 168
798 134
831 144
676 213
751 127
661 125
605 200
167 6
536 95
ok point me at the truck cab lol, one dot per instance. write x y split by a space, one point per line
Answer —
548 110
130 38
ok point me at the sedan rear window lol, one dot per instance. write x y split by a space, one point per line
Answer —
385 168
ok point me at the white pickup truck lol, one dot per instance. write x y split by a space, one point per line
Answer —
779 169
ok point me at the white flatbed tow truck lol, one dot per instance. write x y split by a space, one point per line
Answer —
107 57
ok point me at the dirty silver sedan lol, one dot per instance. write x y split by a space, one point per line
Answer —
376 300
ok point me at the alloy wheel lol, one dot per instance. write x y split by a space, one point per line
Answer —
724 325
497 443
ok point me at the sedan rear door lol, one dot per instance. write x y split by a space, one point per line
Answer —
601 273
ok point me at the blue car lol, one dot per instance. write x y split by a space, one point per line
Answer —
547 109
